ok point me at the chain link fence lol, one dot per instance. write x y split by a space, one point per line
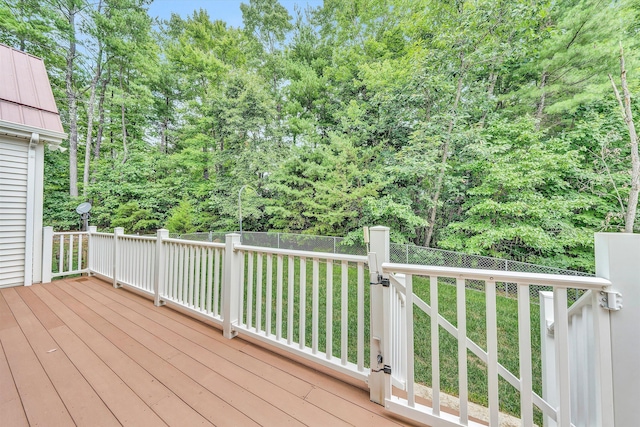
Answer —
399 253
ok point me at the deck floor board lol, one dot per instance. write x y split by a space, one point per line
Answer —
119 360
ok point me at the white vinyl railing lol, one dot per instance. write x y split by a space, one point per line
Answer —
570 396
283 291
64 253
313 304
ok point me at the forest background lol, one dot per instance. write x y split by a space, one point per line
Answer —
489 127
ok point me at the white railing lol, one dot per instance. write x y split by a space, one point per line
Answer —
64 253
283 291
558 411
313 304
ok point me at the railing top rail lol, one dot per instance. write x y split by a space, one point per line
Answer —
194 243
305 254
68 233
543 279
102 234
135 237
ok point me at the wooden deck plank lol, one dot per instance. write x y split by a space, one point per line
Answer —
40 400
206 337
47 317
276 396
126 405
162 342
159 365
203 335
164 396
184 386
82 402
11 410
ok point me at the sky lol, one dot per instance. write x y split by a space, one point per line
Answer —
225 10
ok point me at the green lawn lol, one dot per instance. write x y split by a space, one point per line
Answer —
507 313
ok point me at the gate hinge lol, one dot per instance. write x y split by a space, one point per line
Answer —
611 300
384 281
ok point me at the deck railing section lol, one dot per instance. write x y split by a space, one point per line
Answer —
310 303
315 305
569 389
64 253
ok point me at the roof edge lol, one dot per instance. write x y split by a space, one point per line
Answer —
25 131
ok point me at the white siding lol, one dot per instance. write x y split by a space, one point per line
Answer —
13 210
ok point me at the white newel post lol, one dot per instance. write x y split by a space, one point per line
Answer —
118 231
47 253
90 262
230 286
618 259
158 278
379 238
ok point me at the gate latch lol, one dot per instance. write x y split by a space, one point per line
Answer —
384 281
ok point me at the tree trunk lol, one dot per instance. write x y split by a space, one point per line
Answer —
103 91
73 108
90 113
445 154
124 124
543 96
625 106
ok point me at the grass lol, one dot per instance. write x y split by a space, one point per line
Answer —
507 314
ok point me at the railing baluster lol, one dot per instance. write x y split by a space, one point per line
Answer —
279 298
259 294
196 279
249 290
435 345
315 295
290 281
360 331
561 334
61 254
303 303
344 311
462 351
492 352
203 278
241 290
184 284
410 378
192 272
80 238
70 253
267 322
524 345
210 255
329 311
216 283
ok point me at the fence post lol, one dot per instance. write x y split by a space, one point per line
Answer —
547 353
379 238
91 229
118 231
158 278
47 253
230 286
619 376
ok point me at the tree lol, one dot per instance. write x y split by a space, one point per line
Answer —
625 106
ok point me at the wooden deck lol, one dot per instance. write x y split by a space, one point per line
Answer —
79 352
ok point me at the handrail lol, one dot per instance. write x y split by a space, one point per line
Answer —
304 254
194 243
135 237
68 233
561 281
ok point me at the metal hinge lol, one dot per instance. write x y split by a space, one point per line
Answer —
611 300
384 281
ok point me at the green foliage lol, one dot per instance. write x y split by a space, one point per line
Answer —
181 219
494 118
